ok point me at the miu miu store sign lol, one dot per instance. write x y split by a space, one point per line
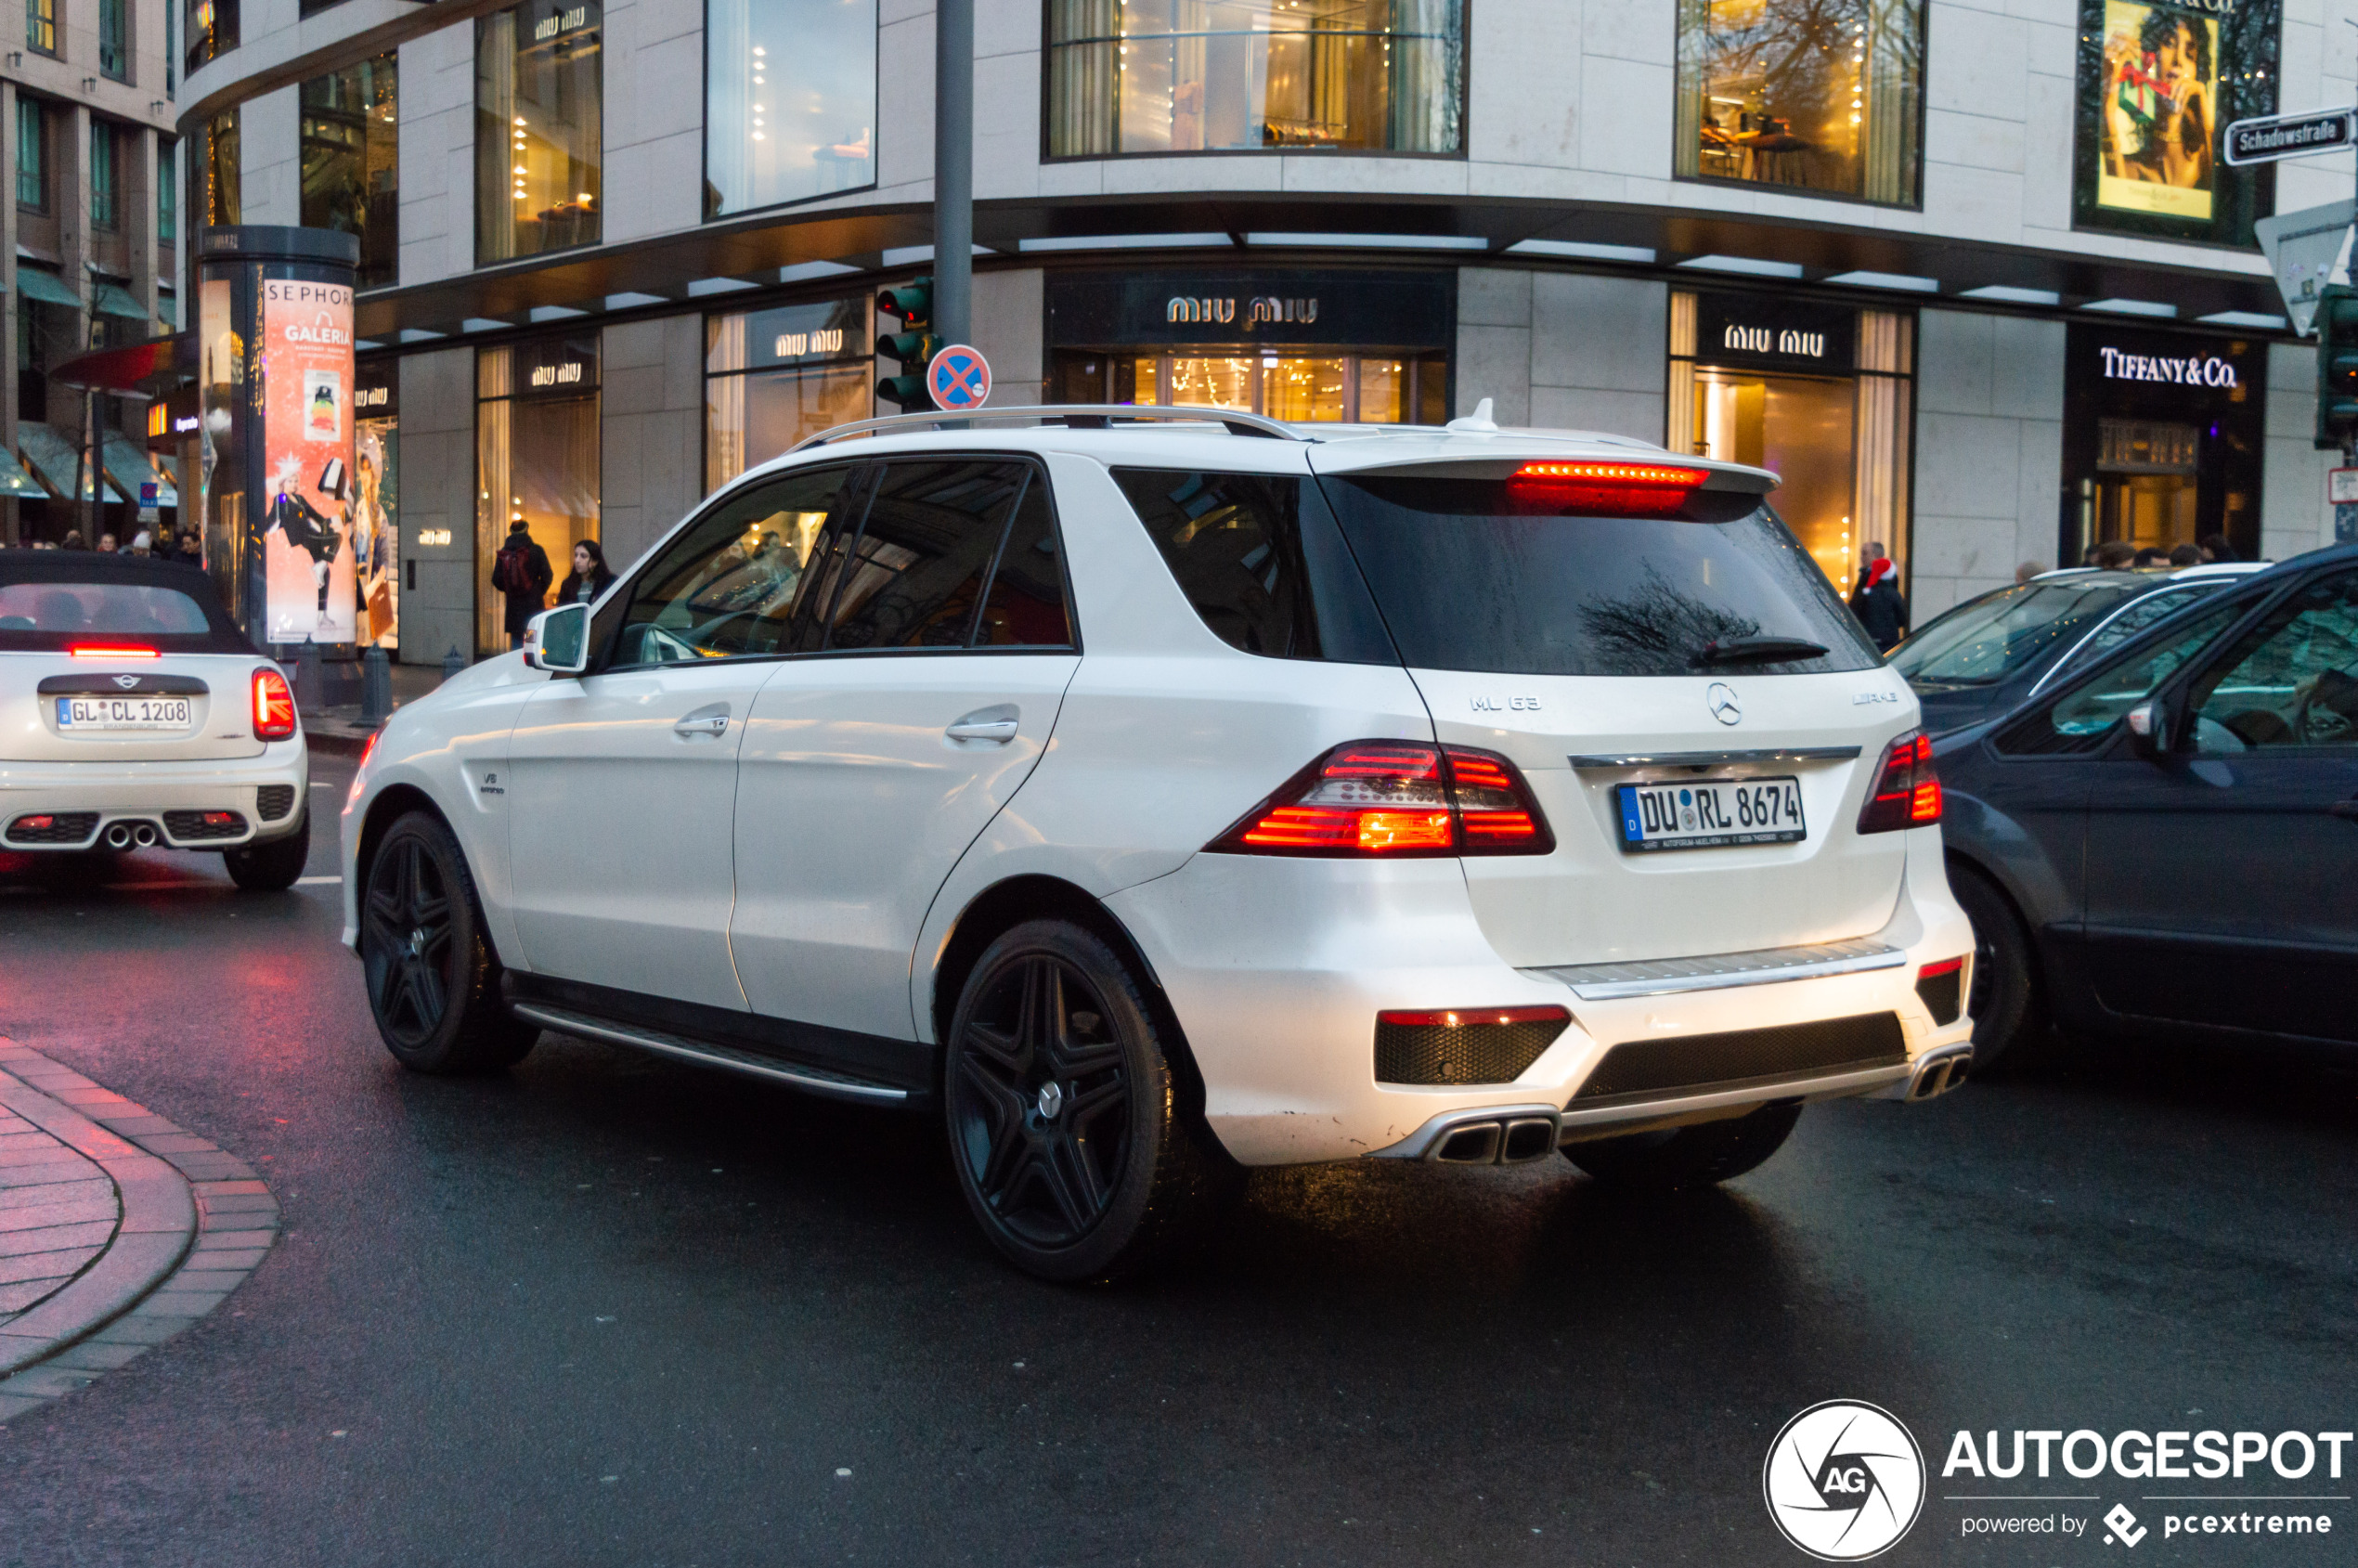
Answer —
1259 310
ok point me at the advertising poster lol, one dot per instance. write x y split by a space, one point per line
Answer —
309 492
376 533
2159 111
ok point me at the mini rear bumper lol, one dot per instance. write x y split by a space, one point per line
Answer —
1277 970
180 804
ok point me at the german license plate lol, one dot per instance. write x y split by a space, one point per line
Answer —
84 715
1710 814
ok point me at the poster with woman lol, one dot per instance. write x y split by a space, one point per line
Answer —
2160 107
374 536
308 488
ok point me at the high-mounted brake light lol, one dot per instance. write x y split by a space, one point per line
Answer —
1907 792
274 706
1390 800
111 651
1630 489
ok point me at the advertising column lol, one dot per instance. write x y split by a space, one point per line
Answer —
275 439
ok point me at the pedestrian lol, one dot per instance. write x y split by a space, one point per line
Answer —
1878 605
2214 547
2148 556
589 576
106 545
2025 571
2113 555
521 573
73 541
142 542
2186 555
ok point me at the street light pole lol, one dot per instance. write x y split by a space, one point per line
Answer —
953 169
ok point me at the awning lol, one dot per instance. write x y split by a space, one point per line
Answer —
15 481
156 365
128 467
115 300
53 458
167 310
47 286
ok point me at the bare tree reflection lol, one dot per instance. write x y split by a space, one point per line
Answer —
1657 627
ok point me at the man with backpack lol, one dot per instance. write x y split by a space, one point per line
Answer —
521 572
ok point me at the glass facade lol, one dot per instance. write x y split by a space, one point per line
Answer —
1820 95
539 113
351 162
1821 395
790 101
1130 76
114 40
167 191
536 462
216 170
213 29
772 377
1311 386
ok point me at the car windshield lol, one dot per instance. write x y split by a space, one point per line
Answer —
1470 575
1983 641
100 609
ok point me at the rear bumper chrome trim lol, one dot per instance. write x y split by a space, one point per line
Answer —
1665 976
817 1081
1716 758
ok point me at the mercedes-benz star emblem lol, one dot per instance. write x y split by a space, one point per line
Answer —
1721 699
126 682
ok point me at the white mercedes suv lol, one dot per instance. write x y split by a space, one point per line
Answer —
134 715
1153 792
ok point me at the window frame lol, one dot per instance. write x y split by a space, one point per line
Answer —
875 132
126 44
2230 654
2114 742
103 138
42 13
482 21
36 112
1464 153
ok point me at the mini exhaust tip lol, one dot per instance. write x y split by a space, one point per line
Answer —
144 836
117 838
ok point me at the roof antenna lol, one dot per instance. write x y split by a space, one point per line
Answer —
1479 423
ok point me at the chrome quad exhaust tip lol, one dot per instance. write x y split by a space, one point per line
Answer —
1937 1072
1509 1135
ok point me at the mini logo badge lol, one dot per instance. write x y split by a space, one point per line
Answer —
126 682
1844 1480
1721 699
2124 1526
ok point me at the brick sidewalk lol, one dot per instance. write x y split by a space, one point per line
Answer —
117 1230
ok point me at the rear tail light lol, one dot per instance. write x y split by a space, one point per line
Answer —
111 651
1637 489
35 824
1942 987
274 706
1907 792
1394 799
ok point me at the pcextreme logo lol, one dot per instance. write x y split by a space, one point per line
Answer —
1844 1480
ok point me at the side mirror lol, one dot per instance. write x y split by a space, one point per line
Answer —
2151 726
558 639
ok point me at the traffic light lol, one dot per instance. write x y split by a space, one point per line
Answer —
2338 367
911 304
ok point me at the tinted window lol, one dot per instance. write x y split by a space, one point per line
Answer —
100 609
1259 557
1985 639
2081 720
2139 615
727 586
915 573
1026 608
2293 682
1470 577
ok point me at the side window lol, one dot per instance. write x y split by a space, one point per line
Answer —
2082 720
915 574
2293 682
2139 615
1234 541
726 587
1026 608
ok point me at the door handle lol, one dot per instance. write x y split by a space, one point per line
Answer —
712 721
2346 810
997 724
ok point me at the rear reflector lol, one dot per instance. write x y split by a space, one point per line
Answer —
1395 799
1625 489
1942 987
1464 1044
111 651
274 706
1907 792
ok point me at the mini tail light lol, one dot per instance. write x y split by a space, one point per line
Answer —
274 706
1907 792
111 651
1622 489
35 824
1390 800
219 819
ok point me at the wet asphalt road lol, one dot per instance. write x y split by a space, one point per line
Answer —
609 1309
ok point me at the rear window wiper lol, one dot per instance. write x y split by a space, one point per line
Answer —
1757 650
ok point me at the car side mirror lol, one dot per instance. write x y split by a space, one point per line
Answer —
558 639
2151 724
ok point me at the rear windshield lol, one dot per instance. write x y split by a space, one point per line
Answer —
100 609
50 602
1982 643
1471 578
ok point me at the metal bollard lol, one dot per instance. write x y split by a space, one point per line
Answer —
453 662
376 687
311 681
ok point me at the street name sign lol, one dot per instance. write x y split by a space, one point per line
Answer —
2307 250
2265 139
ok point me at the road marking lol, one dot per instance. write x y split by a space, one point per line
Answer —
319 881
318 784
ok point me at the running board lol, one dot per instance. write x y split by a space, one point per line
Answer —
815 1080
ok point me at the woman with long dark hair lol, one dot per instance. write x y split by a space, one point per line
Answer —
589 575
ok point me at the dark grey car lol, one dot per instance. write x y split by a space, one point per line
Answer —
2167 840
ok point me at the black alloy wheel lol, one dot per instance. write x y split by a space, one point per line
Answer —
1065 1119
433 978
2004 997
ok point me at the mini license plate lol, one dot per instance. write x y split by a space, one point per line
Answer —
1710 814
87 715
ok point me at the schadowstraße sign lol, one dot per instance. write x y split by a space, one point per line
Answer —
2271 136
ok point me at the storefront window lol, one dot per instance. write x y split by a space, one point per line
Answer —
790 101
376 509
2162 440
773 377
351 160
2157 85
1128 77
218 170
213 29
540 110
536 462
1818 394
1386 389
1823 96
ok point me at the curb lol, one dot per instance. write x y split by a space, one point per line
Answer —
336 743
194 1222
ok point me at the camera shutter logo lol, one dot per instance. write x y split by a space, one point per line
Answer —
1844 1480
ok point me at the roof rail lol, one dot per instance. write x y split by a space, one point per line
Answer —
1073 416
